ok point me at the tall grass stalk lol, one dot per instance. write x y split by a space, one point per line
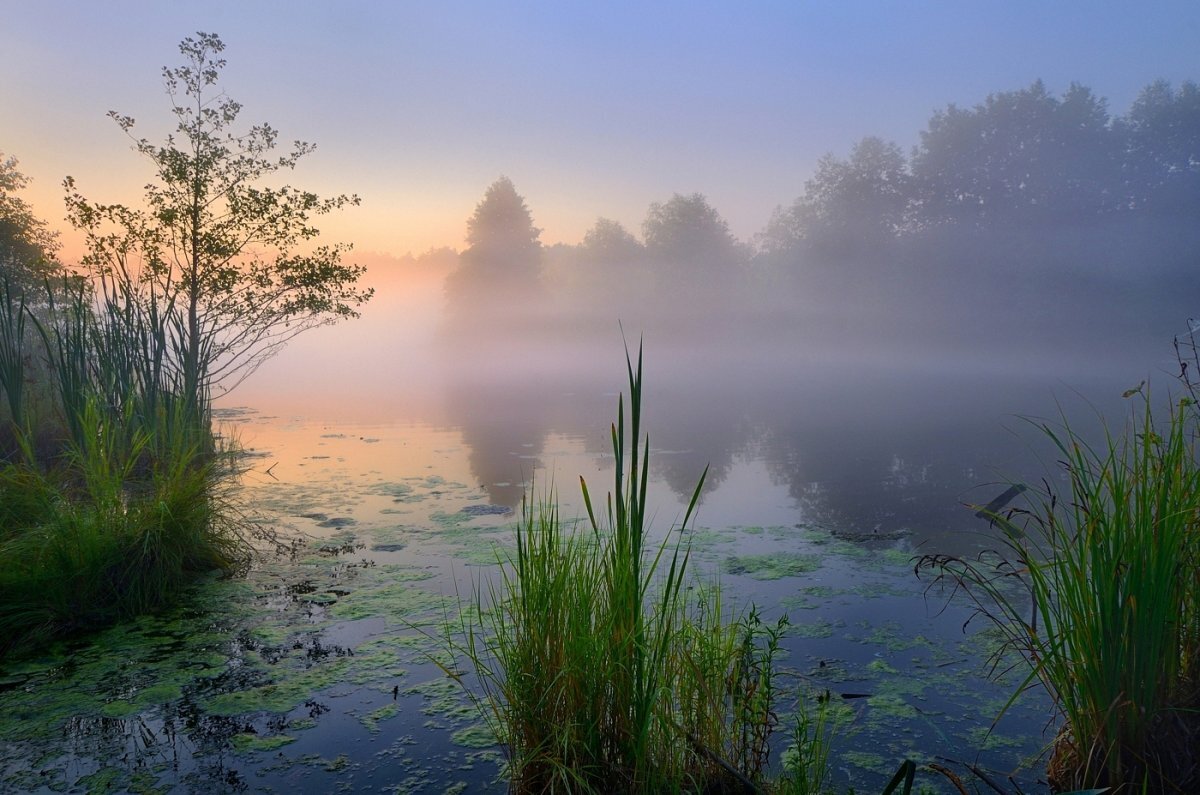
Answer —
1114 628
12 354
806 761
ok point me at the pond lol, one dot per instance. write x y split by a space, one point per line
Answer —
316 672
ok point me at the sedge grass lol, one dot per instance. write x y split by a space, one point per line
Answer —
132 504
82 556
1114 628
603 666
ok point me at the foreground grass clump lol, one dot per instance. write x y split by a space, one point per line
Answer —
113 493
73 562
1101 595
602 672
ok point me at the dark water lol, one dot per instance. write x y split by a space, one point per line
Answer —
317 672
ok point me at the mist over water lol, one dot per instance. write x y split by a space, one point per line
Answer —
881 436
857 380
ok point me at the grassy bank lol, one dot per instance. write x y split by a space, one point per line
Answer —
113 494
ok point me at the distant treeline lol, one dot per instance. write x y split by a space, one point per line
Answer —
1028 219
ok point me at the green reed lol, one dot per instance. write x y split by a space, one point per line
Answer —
13 314
1101 595
605 667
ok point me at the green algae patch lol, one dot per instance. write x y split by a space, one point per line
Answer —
477 736
444 698
119 709
871 762
372 719
323 598
104 780
376 663
820 628
159 694
881 667
896 558
393 600
246 742
399 492
291 689
892 706
772 567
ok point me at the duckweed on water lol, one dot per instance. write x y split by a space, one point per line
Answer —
820 628
477 736
772 567
249 743
372 719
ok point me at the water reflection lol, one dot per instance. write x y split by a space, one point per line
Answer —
868 453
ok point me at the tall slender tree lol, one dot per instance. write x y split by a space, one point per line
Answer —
229 263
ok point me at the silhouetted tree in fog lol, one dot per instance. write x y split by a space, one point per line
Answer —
27 245
691 249
614 266
502 263
1019 157
1162 137
855 206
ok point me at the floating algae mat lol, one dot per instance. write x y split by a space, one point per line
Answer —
316 672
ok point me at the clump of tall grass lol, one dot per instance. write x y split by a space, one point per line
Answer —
601 668
131 500
1100 592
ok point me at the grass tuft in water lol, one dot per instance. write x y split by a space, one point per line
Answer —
601 671
124 497
1100 593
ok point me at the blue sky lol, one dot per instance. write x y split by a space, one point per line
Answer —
591 109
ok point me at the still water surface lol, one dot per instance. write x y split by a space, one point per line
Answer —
314 673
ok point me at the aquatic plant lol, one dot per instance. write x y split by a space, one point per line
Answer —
806 761
1101 595
598 671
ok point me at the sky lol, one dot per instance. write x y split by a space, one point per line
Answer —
592 109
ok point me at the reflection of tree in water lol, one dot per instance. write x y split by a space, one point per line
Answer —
861 451
692 426
881 455
504 424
